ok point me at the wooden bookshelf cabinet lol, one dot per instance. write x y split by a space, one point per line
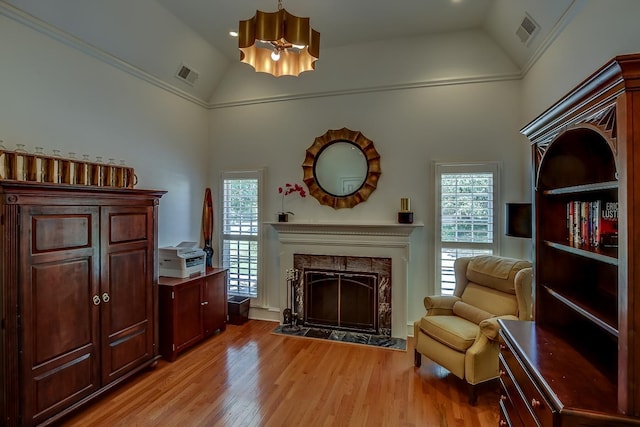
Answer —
78 296
581 354
191 309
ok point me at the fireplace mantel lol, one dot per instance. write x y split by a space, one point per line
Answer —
345 228
384 240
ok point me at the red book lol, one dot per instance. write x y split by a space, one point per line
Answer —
607 228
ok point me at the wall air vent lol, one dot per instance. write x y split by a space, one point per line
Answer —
187 74
527 29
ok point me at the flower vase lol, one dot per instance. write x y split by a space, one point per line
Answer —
283 217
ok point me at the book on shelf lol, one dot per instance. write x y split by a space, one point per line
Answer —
608 224
592 223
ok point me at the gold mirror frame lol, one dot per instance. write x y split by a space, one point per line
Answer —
373 168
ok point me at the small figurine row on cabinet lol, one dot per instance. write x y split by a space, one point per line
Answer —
21 165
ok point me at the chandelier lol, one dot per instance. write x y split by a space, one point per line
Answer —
278 43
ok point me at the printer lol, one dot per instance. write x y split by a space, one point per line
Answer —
183 260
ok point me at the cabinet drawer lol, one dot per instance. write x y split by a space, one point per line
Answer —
515 378
512 400
507 417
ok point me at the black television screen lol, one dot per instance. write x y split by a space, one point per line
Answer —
518 219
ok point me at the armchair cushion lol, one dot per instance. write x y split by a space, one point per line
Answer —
489 299
453 331
470 312
496 272
440 301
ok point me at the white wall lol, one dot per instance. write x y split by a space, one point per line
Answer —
410 129
439 59
602 30
57 97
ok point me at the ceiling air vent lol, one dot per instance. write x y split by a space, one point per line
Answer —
527 29
187 74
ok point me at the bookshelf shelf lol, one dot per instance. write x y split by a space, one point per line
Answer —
606 255
584 306
585 188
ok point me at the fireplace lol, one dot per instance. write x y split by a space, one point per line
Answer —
383 247
341 300
344 292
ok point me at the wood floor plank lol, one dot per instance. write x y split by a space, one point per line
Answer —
246 376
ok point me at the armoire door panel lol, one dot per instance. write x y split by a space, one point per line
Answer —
127 302
61 232
126 349
128 227
63 312
127 281
60 335
60 387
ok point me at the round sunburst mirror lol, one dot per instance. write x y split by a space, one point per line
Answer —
341 168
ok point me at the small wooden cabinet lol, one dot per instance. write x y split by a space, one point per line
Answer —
191 309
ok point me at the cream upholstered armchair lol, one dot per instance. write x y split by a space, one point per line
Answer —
460 331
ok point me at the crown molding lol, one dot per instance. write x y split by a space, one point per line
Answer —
369 89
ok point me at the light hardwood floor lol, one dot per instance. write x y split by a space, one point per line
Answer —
247 376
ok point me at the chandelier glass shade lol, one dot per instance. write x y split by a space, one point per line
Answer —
278 43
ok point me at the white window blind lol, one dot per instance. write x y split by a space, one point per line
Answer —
240 231
466 207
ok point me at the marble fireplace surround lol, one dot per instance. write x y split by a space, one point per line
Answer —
386 240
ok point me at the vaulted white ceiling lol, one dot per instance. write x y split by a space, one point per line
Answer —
157 36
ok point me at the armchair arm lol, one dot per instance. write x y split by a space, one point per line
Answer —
439 305
490 327
522 284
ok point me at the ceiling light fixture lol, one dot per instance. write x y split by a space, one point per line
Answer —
278 43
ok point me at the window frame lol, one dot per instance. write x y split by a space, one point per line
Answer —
244 174
441 168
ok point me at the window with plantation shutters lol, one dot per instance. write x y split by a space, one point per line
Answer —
241 231
466 207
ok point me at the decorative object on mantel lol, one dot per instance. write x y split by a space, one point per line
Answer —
283 216
405 216
207 226
290 317
356 181
20 165
278 43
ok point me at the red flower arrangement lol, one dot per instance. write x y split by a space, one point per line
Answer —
290 189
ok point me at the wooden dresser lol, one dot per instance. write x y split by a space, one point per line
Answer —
578 363
79 295
191 309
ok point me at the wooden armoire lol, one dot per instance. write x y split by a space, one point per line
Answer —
578 362
78 296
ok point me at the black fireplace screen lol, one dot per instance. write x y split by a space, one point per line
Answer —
341 300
